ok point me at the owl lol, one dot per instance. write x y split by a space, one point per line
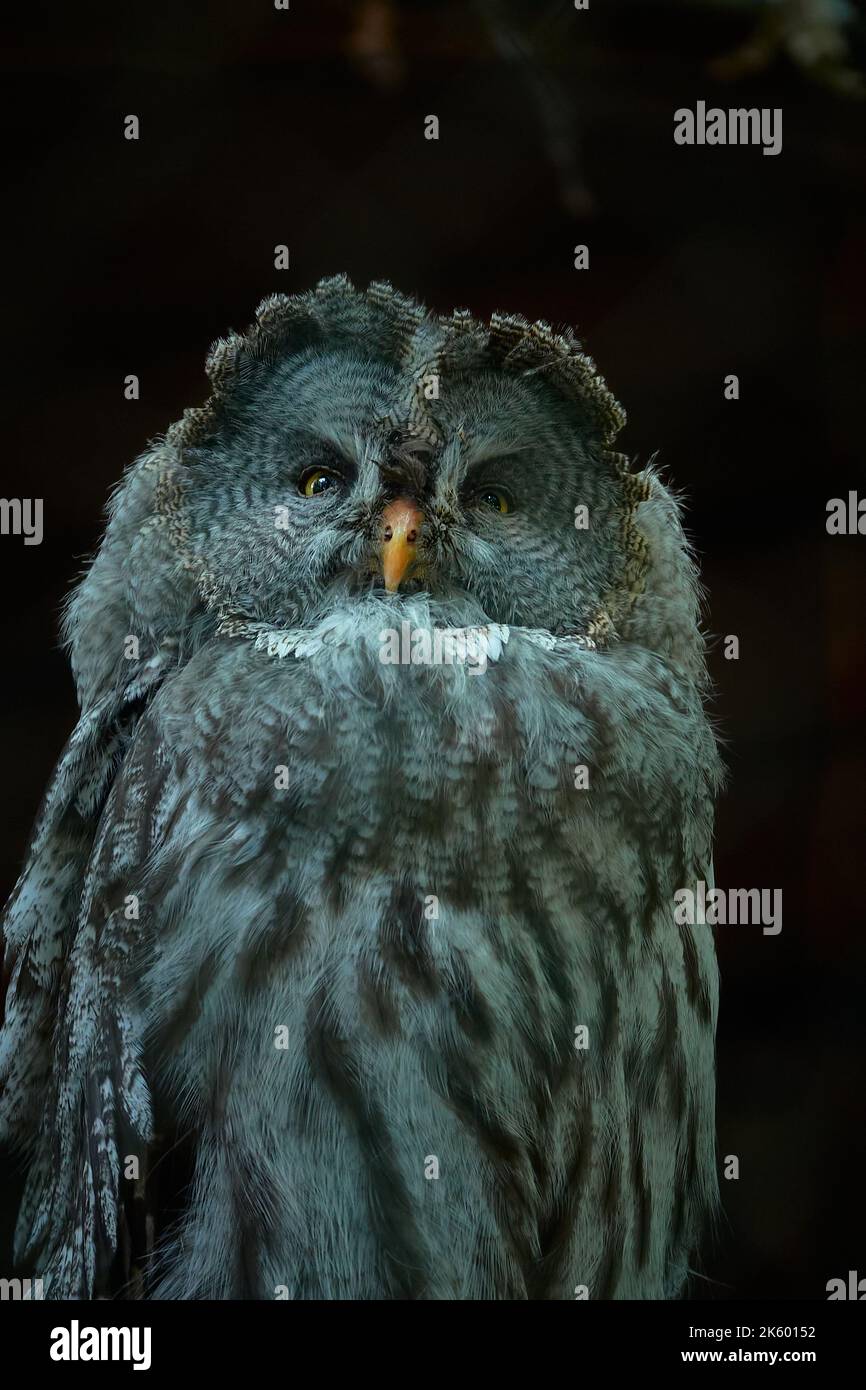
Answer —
344 963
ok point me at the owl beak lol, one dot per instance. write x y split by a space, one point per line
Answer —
401 527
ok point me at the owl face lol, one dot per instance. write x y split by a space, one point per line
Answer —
313 491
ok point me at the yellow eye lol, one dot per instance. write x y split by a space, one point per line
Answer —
497 500
317 481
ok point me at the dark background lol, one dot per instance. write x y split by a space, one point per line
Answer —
260 127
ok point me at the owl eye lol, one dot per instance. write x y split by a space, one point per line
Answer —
496 500
316 481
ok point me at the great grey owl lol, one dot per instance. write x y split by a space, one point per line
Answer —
376 928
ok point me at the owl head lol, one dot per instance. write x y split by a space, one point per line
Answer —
355 443
357 440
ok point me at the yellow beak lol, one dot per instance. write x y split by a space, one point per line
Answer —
401 527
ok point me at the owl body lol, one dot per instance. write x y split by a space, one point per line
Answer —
392 943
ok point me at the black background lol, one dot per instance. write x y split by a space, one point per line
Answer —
260 127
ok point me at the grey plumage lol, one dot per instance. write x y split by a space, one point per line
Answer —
244 837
